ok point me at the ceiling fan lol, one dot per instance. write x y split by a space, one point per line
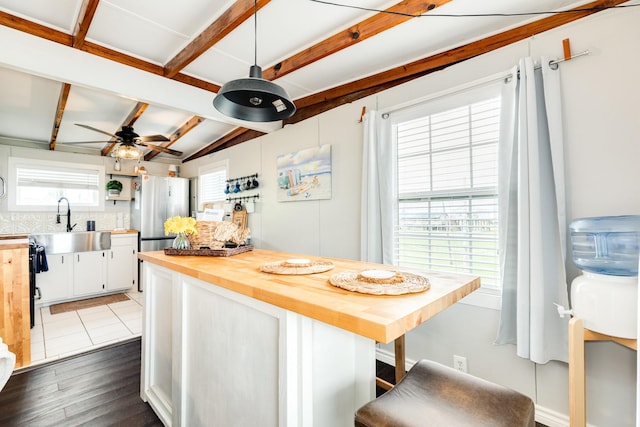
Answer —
129 139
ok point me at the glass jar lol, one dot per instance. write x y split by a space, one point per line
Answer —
181 241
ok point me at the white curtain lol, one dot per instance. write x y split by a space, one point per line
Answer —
532 214
377 204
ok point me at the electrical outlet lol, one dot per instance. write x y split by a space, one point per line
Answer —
460 363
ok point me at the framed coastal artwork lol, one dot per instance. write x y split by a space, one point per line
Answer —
305 174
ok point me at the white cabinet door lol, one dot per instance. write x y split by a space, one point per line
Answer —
89 272
122 264
120 274
57 283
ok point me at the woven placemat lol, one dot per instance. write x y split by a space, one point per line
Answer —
297 266
397 283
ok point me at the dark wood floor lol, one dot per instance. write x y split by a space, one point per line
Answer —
96 389
101 388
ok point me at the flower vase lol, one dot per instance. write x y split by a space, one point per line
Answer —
181 241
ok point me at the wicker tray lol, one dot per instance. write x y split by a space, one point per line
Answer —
209 252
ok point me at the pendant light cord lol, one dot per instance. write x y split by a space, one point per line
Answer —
255 32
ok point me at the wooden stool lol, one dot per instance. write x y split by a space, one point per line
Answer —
432 394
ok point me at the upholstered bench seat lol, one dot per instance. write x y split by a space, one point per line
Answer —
432 394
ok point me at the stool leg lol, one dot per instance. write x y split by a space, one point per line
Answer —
400 358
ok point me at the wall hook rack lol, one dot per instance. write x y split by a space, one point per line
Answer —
247 198
242 183
231 180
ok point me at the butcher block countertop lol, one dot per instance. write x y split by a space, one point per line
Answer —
14 238
123 231
378 317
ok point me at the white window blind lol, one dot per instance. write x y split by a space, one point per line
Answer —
213 181
447 186
40 184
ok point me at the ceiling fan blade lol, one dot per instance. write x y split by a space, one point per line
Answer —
97 130
88 142
153 138
160 148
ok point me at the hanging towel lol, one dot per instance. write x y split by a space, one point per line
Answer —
41 259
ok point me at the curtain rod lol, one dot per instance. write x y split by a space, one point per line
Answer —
500 76
557 61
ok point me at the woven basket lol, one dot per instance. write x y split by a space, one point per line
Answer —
214 234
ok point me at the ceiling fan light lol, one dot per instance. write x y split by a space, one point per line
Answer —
254 99
128 152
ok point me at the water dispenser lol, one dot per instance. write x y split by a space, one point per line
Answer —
605 296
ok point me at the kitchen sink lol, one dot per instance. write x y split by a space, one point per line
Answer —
75 241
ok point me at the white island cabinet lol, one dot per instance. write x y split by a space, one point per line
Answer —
215 357
225 344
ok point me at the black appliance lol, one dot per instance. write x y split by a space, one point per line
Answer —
32 280
33 289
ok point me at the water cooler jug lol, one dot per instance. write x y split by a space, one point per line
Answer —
605 296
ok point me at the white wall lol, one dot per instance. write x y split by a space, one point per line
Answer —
602 129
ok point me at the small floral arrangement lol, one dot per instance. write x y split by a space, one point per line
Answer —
180 224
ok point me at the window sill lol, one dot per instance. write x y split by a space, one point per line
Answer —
483 297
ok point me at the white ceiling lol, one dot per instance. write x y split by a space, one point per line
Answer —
102 94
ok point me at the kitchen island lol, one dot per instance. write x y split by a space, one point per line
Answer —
227 344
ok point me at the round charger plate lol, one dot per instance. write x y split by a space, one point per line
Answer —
380 282
297 266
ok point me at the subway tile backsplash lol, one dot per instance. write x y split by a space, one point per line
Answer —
45 222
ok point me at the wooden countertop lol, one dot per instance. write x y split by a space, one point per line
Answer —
13 236
11 241
381 318
123 231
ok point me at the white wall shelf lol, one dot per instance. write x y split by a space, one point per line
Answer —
125 194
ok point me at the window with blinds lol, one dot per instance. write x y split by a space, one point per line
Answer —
447 187
40 184
213 181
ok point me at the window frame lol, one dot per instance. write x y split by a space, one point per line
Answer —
209 169
14 163
458 96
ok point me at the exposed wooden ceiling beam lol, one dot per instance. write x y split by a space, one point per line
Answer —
231 19
458 54
231 136
56 36
317 103
363 30
202 84
35 29
179 133
62 102
85 16
135 113
240 135
313 104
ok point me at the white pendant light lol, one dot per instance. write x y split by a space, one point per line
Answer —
254 99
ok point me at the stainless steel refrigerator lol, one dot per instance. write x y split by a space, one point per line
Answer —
156 199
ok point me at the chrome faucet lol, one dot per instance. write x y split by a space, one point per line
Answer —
68 215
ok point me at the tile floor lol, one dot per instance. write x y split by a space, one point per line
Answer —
59 335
